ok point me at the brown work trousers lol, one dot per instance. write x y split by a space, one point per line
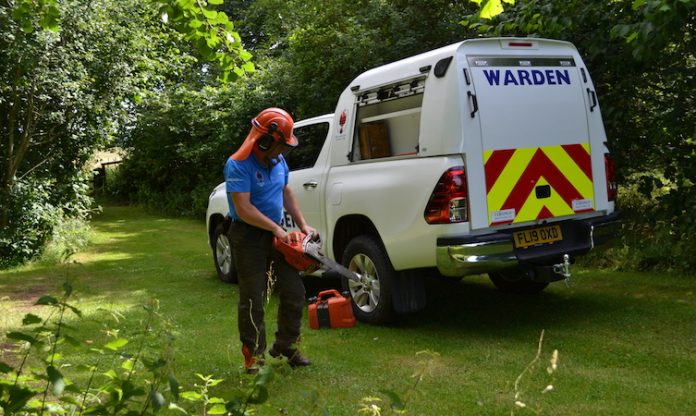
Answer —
253 253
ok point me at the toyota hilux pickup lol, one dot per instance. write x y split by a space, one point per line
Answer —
485 156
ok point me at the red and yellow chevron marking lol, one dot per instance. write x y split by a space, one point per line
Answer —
512 176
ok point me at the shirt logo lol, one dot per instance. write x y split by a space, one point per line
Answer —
259 178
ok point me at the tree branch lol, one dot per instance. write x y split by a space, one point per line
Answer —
26 137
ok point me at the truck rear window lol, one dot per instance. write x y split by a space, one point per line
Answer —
388 121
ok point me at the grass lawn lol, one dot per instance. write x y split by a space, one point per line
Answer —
626 341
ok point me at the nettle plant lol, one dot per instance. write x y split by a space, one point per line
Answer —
121 376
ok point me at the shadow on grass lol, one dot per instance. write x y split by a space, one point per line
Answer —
473 306
170 258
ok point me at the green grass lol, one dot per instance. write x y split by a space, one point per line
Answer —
626 341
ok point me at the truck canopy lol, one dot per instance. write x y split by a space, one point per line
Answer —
523 114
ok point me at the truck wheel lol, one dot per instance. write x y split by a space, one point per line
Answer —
372 297
222 255
516 281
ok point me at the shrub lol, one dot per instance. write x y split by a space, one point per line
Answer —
124 374
31 219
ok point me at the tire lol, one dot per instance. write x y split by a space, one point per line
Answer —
516 281
371 299
222 255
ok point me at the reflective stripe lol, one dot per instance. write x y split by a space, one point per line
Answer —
512 176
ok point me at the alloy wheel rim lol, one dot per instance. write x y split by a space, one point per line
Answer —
223 254
365 293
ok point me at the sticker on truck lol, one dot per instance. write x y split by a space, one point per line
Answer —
528 184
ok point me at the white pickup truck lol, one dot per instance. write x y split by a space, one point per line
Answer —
485 156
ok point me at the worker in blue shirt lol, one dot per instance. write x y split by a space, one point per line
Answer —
256 177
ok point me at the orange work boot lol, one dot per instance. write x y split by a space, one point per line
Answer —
252 362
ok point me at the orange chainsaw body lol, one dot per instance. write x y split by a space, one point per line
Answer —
294 253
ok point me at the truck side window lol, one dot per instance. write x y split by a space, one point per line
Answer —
388 121
311 139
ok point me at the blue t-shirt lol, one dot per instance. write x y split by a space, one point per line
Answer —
264 184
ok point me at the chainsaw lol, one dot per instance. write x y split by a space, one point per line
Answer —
304 254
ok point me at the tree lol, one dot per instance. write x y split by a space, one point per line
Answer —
71 77
306 53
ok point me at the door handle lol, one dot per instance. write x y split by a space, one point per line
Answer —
310 185
474 102
593 97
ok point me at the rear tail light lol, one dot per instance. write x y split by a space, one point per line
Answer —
449 202
610 170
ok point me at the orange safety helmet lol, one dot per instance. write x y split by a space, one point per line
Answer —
272 125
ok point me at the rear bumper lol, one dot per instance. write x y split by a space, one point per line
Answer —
460 256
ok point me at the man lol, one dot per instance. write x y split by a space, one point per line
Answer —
257 191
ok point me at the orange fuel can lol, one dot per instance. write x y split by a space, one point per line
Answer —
330 309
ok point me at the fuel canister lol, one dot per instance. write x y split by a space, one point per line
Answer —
330 309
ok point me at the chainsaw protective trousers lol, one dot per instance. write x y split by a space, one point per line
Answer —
253 252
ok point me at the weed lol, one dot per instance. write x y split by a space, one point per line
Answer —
119 380
521 399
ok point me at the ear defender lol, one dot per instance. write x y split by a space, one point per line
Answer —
266 141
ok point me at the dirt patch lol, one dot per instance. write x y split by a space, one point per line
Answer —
8 354
24 298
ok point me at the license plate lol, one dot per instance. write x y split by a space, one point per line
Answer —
535 236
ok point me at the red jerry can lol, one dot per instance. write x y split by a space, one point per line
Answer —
330 309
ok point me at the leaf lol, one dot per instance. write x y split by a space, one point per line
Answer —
249 67
637 4
4 368
20 336
259 395
19 396
111 374
216 2
56 379
31 319
67 287
218 409
491 9
47 300
116 344
264 376
157 400
127 365
195 24
174 406
74 310
210 14
174 387
191 396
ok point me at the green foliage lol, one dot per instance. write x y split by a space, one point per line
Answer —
72 74
651 239
211 32
31 221
491 8
641 55
52 370
178 148
69 236
184 134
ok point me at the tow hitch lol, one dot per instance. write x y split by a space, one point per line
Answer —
563 269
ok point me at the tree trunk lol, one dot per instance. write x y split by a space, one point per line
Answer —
15 154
